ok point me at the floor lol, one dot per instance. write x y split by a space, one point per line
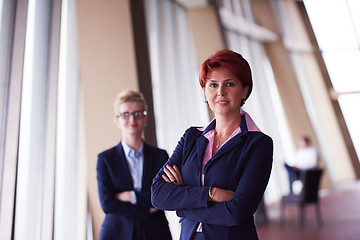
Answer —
340 210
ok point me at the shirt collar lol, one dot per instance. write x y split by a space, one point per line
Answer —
250 124
246 125
131 152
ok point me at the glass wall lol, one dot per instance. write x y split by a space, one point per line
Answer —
339 40
178 98
43 184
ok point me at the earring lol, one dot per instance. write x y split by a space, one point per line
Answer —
242 102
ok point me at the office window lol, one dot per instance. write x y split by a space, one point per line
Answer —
11 70
4 81
43 183
178 98
336 24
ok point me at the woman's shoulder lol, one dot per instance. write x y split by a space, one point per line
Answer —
108 152
154 149
259 136
191 134
193 130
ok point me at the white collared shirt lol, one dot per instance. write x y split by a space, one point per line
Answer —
306 158
136 165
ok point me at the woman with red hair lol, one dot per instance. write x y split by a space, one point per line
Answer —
217 174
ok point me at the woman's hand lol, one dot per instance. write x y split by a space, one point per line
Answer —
127 197
173 175
124 196
153 210
221 195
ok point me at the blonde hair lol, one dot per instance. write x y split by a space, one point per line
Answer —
129 96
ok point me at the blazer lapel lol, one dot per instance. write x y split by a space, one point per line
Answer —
123 164
201 144
148 162
234 142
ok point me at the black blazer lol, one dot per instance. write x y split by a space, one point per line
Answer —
124 220
243 165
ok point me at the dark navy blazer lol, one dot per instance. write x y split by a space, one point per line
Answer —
124 220
243 165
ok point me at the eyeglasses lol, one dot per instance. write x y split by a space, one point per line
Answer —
136 114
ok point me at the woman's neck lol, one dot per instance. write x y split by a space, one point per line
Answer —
225 126
133 142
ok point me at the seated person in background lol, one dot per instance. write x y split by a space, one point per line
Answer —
306 157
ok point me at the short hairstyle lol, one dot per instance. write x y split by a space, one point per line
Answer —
129 96
233 61
306 139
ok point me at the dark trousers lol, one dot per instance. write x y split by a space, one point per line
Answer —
293 175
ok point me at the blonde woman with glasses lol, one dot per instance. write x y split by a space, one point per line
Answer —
125 173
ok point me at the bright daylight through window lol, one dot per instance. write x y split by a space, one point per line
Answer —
339 41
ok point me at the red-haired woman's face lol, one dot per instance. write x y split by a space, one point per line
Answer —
224 91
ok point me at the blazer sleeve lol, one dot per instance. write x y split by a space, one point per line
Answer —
107 194
248 194
143 198
169 196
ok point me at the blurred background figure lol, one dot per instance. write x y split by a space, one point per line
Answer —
306 157
125 173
